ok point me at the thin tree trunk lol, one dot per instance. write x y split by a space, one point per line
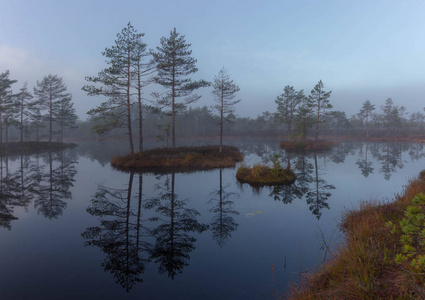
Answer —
139 92
50 118
173 128
130 134
221 120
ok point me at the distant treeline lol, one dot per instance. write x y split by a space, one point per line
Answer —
389 121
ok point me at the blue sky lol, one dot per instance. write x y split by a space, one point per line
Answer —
359 49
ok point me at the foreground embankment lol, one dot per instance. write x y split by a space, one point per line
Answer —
383 256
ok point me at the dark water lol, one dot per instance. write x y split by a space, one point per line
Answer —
73 228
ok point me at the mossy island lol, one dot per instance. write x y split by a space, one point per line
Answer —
261 175
307 145
179 159
12 148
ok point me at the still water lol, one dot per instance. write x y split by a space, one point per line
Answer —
73 228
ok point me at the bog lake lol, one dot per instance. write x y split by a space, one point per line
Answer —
71 227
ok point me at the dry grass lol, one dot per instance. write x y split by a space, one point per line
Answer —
181 159
260 175
364 267
307 146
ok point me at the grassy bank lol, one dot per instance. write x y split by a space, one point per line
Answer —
181 159
383 256
322 145
12 148
260 175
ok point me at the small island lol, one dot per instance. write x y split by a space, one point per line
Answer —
11 148
261 175
179 159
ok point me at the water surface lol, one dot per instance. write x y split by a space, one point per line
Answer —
73 228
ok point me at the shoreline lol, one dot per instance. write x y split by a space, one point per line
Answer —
367 265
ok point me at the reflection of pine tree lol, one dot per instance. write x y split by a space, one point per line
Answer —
338 154
317 195
365 166
173 242
13 192
53 186
390 157
119 233
289 192
223 223
416 151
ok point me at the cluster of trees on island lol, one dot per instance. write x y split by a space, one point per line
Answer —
131 67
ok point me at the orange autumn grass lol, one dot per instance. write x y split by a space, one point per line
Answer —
181 159
365 267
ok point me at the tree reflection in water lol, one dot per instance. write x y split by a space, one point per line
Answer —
31 181
364 164
223 222
308 185
173 240
318 193
120 233
53 186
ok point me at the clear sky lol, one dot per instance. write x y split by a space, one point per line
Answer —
360 49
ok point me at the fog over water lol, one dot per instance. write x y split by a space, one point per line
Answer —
359 49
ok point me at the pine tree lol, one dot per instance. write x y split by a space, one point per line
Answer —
6 99
174 63
318 101
142 68
65 116
48 92
287 104
224 91
116 81
365 113
23 98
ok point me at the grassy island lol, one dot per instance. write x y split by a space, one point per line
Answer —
383 256
307 145
260 175
181 159
12 148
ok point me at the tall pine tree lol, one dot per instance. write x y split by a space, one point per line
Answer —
116 81
23 101
174 64
318 101
48 92
224 90
6 99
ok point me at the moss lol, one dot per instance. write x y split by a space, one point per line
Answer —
181 159
260 175
12 148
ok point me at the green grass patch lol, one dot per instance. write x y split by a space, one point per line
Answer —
307 146
260 175
181 159
12 148
383 256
